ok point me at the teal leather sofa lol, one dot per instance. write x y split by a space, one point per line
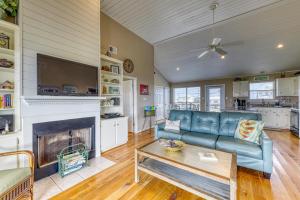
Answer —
216 130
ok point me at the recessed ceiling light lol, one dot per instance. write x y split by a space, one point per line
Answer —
222 57
177 68
279 46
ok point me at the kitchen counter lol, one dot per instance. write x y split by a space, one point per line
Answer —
233 110
275 117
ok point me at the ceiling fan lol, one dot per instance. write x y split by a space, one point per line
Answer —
215 46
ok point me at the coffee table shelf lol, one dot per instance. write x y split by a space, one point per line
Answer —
184 169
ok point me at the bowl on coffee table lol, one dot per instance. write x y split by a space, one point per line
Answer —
172 145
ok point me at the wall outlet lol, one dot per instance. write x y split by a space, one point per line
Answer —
113 50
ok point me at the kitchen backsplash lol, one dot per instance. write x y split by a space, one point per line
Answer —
278 101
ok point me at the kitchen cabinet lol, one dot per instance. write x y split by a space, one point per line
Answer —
287 86
277 118
240 88
114 132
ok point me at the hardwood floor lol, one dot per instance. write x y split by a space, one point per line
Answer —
117 182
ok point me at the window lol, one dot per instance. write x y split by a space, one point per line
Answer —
193 98
262 90
187 98
180 98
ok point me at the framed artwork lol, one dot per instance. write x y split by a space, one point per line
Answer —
114 69
144 89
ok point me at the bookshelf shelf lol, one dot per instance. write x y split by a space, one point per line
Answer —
6 90
113 106
7 51
110 73
112 95
7 109
10 70
111 85
10 98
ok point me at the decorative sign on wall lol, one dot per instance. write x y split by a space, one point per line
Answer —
144 89
261 78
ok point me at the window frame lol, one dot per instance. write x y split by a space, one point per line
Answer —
186 96
266 81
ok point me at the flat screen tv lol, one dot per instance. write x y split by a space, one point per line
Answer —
59 77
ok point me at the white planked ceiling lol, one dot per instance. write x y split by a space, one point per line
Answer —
175 27
158 20
258 32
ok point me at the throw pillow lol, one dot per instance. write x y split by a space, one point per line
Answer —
172 125
249 130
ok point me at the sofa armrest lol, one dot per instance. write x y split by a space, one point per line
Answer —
159 126
267 149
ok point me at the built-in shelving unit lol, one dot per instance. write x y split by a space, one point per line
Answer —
111 86
10 96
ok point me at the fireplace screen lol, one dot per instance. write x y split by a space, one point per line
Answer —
49 146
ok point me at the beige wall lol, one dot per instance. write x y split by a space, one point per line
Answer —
160 80
229 100
139 51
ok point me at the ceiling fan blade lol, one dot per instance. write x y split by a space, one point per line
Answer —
216 41
221 51
235 43
203 54
197 50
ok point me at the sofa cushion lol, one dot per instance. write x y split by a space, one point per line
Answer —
170 134
206 122
11 177
172 125
201 139
230 120
184 116
249 130
240 147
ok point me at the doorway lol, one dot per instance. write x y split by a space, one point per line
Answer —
166 102
159 102
130 102
215 98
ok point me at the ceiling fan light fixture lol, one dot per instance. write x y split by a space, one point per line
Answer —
214 5
279 46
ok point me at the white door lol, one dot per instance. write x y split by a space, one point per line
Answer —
121 130
215 98
128 103
166 102
159 103
108 134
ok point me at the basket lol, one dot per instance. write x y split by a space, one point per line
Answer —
72 158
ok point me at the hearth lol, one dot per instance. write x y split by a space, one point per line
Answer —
49 138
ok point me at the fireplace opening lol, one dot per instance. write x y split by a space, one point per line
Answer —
49 146
50 138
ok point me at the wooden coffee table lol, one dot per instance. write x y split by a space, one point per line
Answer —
207 179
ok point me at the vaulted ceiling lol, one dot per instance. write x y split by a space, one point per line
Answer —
157 20
177 27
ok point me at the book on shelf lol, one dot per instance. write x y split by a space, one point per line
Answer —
208 156
6 101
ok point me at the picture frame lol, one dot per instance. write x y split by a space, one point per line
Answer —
144 89
115 69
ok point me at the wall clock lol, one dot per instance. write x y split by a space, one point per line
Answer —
128 66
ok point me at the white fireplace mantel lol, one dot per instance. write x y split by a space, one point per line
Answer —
30 100
39 109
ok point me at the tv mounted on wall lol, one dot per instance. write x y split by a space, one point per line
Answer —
60 77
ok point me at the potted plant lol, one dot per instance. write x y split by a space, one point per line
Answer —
9 10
